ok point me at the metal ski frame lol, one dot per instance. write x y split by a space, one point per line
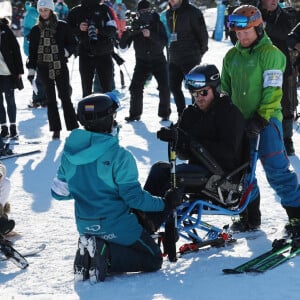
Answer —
190 223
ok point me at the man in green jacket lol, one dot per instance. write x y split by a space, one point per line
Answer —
252 75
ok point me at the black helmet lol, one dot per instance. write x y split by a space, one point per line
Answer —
202 76
97 112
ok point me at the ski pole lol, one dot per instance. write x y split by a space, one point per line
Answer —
171 223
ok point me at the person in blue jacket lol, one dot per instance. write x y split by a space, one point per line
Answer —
102 177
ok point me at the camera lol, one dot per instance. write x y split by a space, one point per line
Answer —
133 23
92 32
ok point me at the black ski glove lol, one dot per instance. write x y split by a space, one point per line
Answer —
167 134
256 125
173 197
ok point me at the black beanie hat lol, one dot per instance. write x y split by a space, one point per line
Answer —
143 4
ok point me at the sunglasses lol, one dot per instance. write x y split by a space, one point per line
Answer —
201 93
239 21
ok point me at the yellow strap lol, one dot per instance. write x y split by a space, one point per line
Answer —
174 20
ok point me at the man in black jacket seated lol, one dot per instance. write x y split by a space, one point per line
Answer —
209 135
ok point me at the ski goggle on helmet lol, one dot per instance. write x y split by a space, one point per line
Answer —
201 76
244 17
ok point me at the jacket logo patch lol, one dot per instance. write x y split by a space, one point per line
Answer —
93 228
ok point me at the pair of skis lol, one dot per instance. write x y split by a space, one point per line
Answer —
11 254
282 250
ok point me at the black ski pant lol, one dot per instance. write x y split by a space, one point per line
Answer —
158 68
158 182
62 84
7 88
176 74
103 65
142 256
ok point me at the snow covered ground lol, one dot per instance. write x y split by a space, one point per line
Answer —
40 219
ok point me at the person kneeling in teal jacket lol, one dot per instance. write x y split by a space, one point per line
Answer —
102 177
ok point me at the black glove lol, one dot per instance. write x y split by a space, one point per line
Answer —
173 197
256 125
167 134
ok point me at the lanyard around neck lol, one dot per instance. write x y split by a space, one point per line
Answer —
174 20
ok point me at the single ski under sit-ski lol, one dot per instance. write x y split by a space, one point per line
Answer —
19 154
282 250
12 254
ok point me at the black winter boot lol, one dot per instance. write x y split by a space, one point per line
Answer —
99 261
241 224
289 147
254 215
13 131
293 227
4 132
6 226
250 218
81 265
5 150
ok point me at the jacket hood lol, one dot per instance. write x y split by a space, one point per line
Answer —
83 147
